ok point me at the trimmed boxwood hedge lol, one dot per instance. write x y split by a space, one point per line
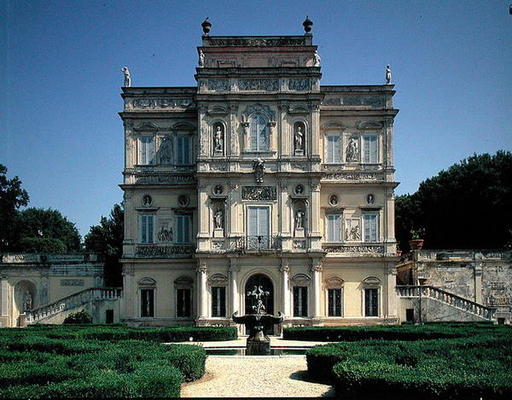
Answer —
465 367
70 365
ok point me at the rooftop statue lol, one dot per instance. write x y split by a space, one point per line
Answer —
388 75
127 77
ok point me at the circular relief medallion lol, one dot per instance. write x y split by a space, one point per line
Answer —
299 189
370 199
218 190
333 200
147 200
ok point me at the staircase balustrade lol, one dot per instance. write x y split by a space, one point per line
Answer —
447 298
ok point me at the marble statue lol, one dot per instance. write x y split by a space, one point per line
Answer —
317 59
127 77
27 301
201 58
258 166
166 151
218 140
388 75
299 219
299 139
217 219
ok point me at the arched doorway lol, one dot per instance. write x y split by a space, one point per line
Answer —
264 281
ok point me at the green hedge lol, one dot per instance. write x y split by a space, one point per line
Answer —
34 365
387 332
464 367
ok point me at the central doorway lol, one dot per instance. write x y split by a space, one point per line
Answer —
266 284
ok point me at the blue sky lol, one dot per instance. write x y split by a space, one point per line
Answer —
60 76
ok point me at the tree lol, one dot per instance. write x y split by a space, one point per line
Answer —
466 206
12 197
46 231
106 239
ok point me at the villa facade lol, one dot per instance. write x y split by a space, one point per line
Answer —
259 176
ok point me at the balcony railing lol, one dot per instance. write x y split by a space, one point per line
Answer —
259 243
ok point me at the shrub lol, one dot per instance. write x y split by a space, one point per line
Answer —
80 317
189 359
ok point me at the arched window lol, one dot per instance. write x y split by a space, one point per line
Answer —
259 133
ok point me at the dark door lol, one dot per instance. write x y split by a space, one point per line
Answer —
266 284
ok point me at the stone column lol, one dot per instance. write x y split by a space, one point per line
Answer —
285 270
201 291
284 212
204 142
233 272
314 214
4 296
316 270
203 216
390 311
388 230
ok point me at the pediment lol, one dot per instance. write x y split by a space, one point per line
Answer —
183 126
147 282
331 126
372 281
146 127
301 280
334 282
369 125
218 280
218 110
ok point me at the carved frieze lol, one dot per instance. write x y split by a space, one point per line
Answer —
364 125
355 100
161 178
163 103
256 42
163 251
259 193
372 249
258 84
218 85
299 84
353 176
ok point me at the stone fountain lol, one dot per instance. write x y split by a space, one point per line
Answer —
257 323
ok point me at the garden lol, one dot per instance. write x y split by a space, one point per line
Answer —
444 361
101 361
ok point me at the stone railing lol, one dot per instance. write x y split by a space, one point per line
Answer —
72 301
163 251
354 249
259 243
447 298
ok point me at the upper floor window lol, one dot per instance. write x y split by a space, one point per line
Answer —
370 149
258 227
146 150
371 227
183 225
183 150
146 228
259 133
333 228
333 149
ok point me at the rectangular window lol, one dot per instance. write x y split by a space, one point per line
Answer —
183 150
333 149
147 303
146 150
258 227
334 302
370 150
371 227
183 303
259 137
218 301
300 301
146 228
371 302
183 225
333 229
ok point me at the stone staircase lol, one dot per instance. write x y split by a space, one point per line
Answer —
72 303
468 307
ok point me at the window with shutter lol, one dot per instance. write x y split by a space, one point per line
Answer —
370 222
147 303
333 228
183 150
333 149
183 303
218 301
370 150
259 133
371 302
258 227
146 228
300 301
334 302
183 224
146 150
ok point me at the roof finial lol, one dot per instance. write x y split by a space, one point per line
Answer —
206 26
307 25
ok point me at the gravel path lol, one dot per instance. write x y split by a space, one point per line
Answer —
256 377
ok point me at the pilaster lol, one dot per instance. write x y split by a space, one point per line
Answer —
316 271
285 270
202 271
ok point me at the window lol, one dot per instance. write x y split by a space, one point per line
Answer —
259 133
370 150
334 302
371 302
146 150
333 229
146 228
183 150
258 227
371 231
218 301
183 228
147 303
333 149
300 301
183 303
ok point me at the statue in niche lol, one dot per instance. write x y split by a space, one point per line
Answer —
127 77
27 300
317 59
218 139
352 150
388 75
166 151
218 219
299 219
258 166
201 58
165 235
299 139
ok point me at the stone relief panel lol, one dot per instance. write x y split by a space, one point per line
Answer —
355 100
353 176
259 193
353 229
164 231
164 153
161 103
257 42
299 84
259 84
352 149
217 85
